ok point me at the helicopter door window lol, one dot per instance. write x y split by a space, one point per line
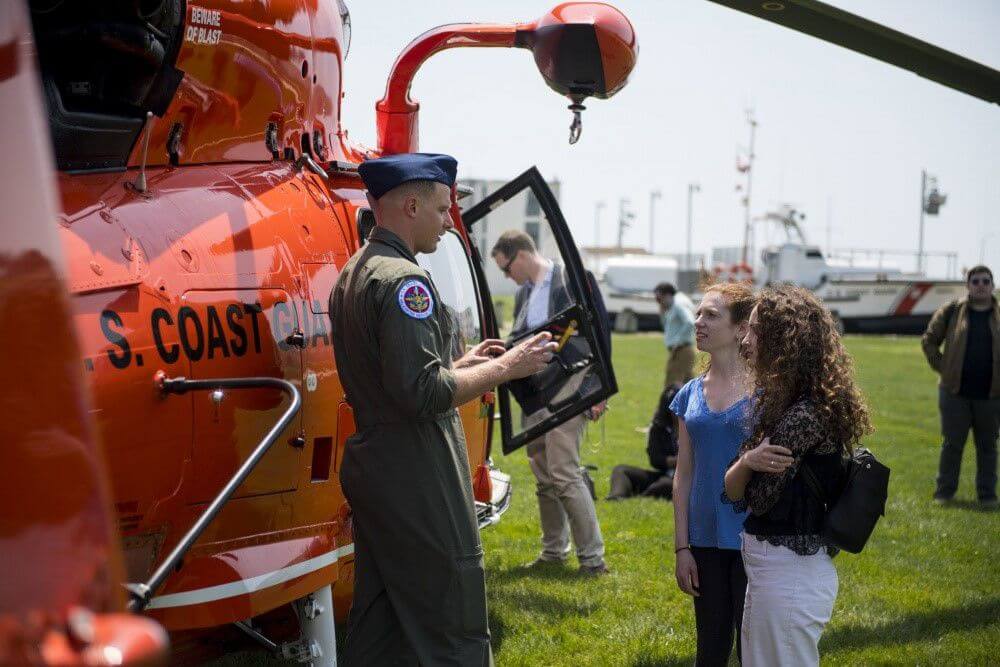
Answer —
102 70
542 290
452 274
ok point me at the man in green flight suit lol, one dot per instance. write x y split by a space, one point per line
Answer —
419 584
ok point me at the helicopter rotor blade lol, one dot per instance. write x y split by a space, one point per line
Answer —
878 41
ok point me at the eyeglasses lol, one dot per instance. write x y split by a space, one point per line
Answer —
506 267
980 281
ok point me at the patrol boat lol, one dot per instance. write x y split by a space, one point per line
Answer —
864 296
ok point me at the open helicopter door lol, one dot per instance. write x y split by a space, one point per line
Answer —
580 375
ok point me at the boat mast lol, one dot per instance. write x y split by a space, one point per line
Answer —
746 199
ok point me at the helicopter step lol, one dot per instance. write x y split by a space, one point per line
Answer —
318 644
317 641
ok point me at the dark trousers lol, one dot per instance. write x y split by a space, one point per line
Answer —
389 625
958 416
718 610
629 481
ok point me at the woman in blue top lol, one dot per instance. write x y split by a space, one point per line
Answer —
713 413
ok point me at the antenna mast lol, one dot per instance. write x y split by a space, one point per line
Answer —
746 198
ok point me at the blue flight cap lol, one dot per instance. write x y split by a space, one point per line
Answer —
385 173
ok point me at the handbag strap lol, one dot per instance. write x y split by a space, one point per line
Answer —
813 483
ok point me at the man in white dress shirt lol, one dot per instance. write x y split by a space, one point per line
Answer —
564 501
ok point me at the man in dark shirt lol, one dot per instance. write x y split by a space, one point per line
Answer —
969 394
661 448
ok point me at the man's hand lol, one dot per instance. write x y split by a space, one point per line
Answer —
485 372
594 412
766 457
484 351
529 356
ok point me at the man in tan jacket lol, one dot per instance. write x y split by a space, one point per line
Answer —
969 393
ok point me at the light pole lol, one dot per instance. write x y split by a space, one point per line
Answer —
930 203
598 206
923 205
653 196
624 220
692 188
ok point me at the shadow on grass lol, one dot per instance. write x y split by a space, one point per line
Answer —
498 630
915 627
547 572
664 662
968 506
552 607
502 585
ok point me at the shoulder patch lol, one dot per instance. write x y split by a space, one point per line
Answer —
415 300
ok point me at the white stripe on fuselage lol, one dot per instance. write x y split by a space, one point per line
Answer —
244 586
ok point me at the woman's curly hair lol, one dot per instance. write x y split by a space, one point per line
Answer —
799 355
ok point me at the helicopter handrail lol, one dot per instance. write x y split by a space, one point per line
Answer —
142 594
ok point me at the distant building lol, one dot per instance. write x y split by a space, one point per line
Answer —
727 256
522 212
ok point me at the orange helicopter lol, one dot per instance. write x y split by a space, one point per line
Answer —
208 196
61 600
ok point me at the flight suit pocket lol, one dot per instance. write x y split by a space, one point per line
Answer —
469 591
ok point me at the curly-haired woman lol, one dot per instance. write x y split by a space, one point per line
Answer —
808 412
712 412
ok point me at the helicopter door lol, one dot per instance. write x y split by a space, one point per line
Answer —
580 375
241 333
452 272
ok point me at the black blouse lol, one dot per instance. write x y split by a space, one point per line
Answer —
783 509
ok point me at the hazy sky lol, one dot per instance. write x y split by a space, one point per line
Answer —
837 131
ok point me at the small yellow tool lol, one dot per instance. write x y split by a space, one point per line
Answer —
570 330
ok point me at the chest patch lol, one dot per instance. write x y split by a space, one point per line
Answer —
415 300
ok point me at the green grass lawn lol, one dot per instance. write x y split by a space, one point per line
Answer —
926 590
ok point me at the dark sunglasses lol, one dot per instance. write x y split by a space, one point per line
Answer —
506 267
980 281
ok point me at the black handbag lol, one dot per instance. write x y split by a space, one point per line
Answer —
851 517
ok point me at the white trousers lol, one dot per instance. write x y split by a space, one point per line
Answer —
789 602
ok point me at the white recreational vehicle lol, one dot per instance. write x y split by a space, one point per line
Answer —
627 281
